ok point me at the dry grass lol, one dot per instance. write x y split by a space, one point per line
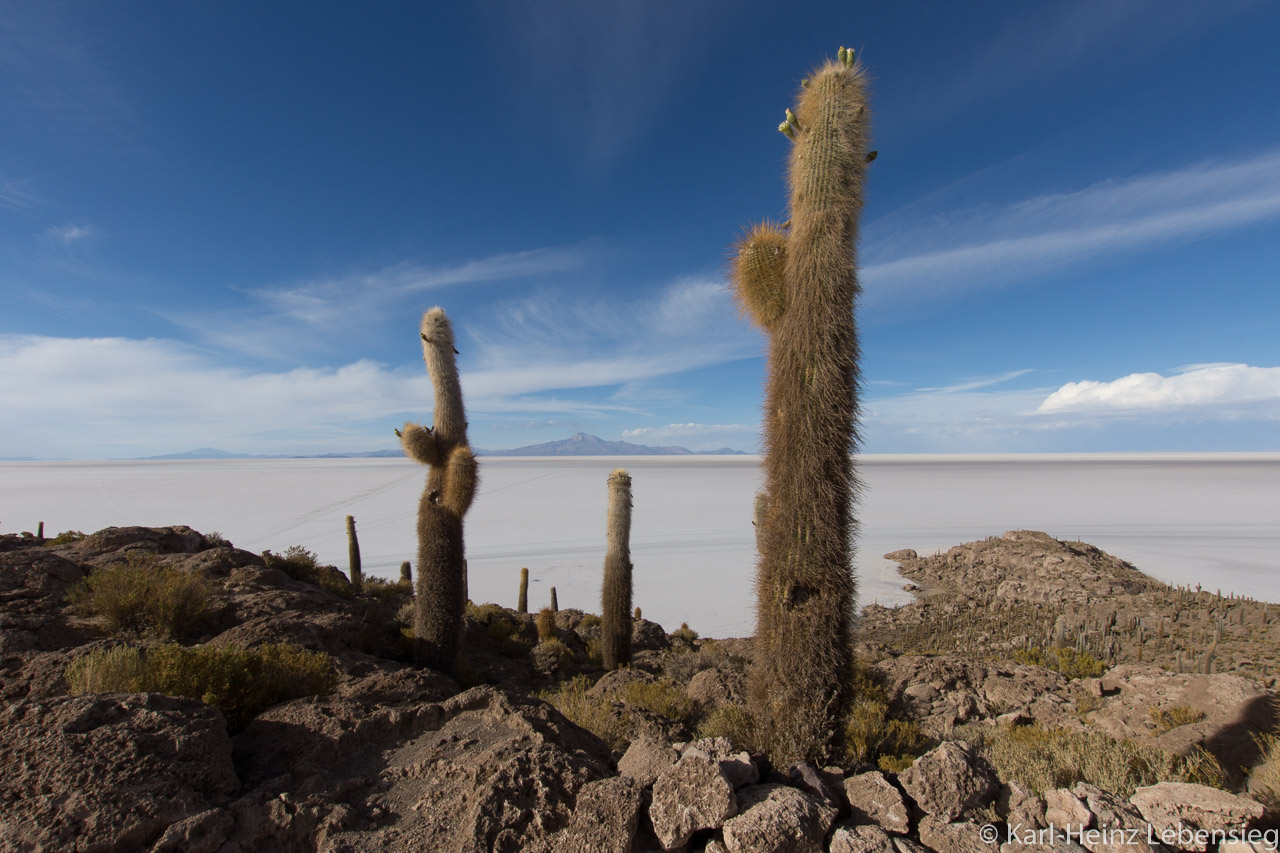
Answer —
300 564
1168 719
241 683
143 598
1044 759
733 722
592 713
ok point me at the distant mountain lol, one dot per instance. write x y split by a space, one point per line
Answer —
583 444
204 453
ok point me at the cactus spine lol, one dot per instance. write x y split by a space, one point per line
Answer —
615 598
798 282
353 554
451 485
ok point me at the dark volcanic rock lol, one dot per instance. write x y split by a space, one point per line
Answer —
108 772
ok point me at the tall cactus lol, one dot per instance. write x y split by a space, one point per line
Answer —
451 486
615 596
798 282
353 554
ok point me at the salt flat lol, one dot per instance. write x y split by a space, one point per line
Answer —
1212 519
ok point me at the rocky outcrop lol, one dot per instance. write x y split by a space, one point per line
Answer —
402 759
109 772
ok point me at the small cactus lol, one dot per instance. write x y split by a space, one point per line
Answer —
522 604
615 603
555 602
637 614
546 624
353 554
406 573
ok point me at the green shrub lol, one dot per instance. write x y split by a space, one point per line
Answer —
684 633
1069 662
381 588
216 540
596 715
65 537
733 722
1168 719
239 682
143 598
1043 759
871 735
300 564
661 698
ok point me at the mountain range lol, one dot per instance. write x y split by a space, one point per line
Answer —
582 444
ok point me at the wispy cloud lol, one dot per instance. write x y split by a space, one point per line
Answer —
699 436
544 343
301 316
975 384
15 196
601 72
71 232
129 396
967 249
1211 390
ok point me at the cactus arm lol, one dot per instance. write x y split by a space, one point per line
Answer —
438 352
419 444
460 480
756 274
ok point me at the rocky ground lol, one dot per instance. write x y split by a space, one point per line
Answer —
402 759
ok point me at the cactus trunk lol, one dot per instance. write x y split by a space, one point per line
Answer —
522 603
801 287
555 602
440 595
615 603
353 554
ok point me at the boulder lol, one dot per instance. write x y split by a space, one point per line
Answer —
874 799
736 765
942 837
605 818
778 819
692 795
1184 815
1065 812
1120 828
646 759
949 780
109 772
852 838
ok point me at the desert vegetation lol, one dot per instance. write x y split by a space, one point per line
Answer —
798 282
451 486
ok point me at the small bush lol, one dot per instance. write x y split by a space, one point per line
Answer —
381 588
732 722
1168 719
65 537
684 633
588 621
241 683
871 735
1043 759
594 714
303 565
143 598
215 540
661 698
1069 662
1264 778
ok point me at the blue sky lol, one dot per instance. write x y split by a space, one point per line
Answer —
220 222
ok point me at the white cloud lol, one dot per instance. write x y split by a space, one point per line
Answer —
1208 390
70 233
699 436
975 384
966 249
